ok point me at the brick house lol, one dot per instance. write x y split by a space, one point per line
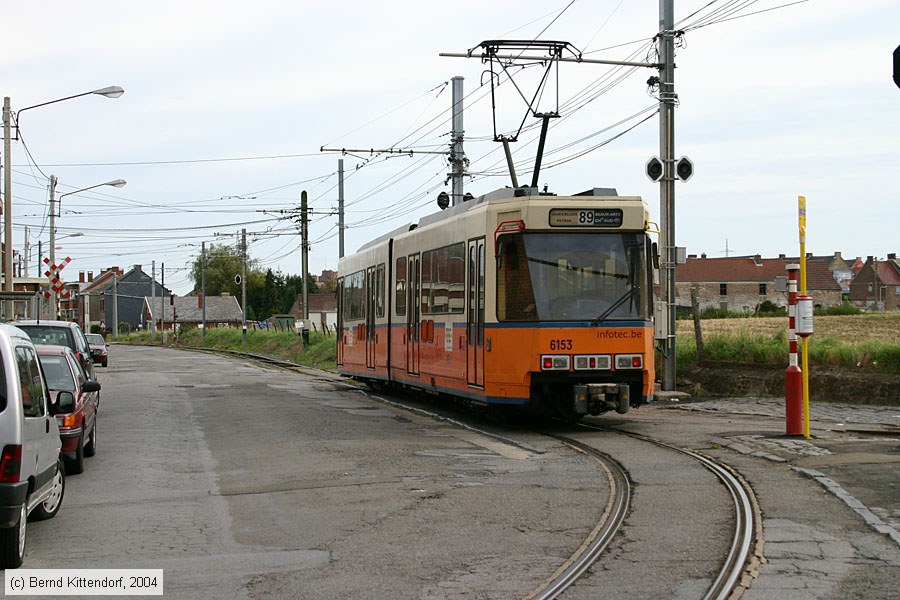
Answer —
96 297
322 310
741 284
221 311
877 285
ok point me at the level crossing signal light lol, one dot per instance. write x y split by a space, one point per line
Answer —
654 169
684 168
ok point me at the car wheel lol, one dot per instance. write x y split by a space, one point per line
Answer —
76 465
90 448
49 507
12 542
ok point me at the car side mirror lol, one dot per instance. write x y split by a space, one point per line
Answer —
65 403
91 385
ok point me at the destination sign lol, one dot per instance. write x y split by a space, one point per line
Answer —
585 217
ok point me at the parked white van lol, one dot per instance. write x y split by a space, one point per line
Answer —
32 479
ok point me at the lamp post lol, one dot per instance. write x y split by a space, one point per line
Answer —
114 183
110 92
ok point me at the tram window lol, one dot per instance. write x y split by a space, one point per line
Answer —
515 296
443 280
400 288
354 296
379 290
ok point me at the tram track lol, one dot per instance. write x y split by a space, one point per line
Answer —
746 521
738 561
608 526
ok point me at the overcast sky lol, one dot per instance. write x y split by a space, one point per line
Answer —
227 103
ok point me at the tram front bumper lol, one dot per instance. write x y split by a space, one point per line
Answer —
598 398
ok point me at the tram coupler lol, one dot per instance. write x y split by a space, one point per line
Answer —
598 398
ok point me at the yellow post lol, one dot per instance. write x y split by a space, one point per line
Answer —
804 341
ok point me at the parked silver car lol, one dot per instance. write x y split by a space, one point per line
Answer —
32 478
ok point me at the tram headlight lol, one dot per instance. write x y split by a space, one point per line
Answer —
629 362
555 362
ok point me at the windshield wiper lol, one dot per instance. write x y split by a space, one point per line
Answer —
629 294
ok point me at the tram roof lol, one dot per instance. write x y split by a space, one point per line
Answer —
496 195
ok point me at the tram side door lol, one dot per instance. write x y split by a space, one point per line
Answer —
413 311
370 317
475 313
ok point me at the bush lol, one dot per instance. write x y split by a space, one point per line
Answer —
720 313
770 309
845 309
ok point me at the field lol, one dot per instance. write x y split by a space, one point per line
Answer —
869 341
849 329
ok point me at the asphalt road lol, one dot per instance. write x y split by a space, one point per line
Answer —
245 482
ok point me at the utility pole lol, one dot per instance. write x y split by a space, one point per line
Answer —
457 154
153 299
304 254
203 287
27 250
53 180
667 101
162 301
340 209
7 207
115 306
244 286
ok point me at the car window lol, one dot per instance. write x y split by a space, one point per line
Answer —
82 340
59 375
30 381
80 373
96 339
58 336
2 384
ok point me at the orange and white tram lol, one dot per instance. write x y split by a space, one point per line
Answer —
515 298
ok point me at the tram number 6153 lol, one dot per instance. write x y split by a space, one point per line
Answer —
560 344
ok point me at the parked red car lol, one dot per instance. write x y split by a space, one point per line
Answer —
99 349
77 429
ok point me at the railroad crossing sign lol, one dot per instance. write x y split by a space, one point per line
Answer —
52 273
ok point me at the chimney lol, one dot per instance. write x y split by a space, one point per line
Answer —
837 256
692 256
870 258
892 256
90 276
703 255
782 256
137 268
80 276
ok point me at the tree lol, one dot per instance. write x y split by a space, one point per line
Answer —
268 292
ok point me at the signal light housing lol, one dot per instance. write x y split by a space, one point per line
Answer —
629 362
555 362
654 169
593 362
684 168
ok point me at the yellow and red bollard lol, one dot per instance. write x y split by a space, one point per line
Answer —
793 376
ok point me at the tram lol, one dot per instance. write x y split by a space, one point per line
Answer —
516 299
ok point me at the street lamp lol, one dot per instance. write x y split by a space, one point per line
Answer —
114 183
113 91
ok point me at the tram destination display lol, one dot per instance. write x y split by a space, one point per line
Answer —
585 217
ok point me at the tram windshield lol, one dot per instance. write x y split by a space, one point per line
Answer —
572 277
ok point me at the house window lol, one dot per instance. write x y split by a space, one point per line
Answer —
762 289
723 289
